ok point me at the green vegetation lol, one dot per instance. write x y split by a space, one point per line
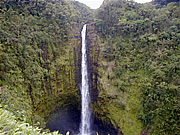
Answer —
140 66
12 125
37 65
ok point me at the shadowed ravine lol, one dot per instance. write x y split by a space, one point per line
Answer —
81 122
69 120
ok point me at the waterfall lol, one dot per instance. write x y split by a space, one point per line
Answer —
85 126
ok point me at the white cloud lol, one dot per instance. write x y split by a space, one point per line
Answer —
143 1
94 4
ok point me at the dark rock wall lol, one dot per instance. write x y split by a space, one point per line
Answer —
75 42
69 116
93 50
93 58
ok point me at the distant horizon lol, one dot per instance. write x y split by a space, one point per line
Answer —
94 4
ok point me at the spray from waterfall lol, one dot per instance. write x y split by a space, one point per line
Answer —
85 126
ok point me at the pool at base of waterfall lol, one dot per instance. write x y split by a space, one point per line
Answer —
69 120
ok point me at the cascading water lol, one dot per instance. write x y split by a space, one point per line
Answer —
85 126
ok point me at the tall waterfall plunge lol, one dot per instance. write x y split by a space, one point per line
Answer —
85 126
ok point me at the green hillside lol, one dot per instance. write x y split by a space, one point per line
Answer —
134 64
36 74
140 66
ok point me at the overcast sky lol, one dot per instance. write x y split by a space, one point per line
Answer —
94 4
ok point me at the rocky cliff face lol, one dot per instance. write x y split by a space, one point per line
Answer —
73 109
93 48
93 59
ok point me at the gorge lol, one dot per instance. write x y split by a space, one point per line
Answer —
128 54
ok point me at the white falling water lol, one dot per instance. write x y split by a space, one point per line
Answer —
85 127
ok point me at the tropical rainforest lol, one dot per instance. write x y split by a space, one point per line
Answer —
134 59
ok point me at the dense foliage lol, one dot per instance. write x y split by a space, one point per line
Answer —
141 65
37 72
12 125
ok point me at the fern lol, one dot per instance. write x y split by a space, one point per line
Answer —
10 126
